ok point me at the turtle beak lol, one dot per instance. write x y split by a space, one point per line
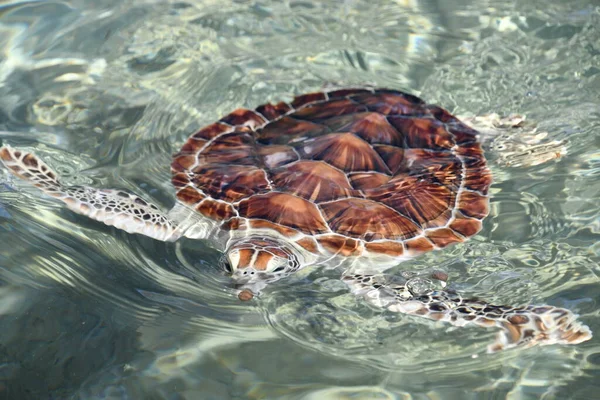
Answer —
246 288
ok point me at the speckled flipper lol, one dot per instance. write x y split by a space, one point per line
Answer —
520 326
515 141
113 207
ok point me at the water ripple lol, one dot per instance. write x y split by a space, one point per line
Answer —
107 90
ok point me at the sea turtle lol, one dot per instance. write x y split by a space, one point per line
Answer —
357 178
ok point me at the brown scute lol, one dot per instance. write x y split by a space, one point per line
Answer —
262 260
278 251
234 224
179 179
473 205
423 133
442 237
345 151
432 160
245 258
440 114
217 210
263 224
211 131
389 248
577 336
287 130
276 155
474 162
30 160
335 94
235 148
328 109
513 332
436 166
471 150
367 220
390 102
189 195
315 181
441 220
478 179
449 178
418 245
309 244
284 209
409 97
303 99
518 319
342 245
5 154
462 133
373 127
244 117
422 201
392 156
192 146
183 163
230 182
465 226
368 180
272 111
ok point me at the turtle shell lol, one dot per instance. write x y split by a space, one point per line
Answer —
349 172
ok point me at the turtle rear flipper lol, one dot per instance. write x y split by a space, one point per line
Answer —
515 141
113 207
524 326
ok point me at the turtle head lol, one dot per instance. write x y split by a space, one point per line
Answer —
255 262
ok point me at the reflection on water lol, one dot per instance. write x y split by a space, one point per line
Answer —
106 90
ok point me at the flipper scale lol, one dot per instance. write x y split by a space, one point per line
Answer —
111 206
523 326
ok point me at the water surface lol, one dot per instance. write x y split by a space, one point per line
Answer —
106 90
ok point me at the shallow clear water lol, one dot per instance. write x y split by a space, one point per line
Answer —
106 90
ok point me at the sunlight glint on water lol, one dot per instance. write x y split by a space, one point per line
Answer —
107 90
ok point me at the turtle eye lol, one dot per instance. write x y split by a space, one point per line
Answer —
276 264
227 266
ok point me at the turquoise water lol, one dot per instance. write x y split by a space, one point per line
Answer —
106 90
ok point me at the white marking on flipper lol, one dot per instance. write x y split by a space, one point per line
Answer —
524 326
516 141
113 207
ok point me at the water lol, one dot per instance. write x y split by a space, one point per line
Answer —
106 90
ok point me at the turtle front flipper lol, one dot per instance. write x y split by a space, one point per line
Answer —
113 207
524 326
